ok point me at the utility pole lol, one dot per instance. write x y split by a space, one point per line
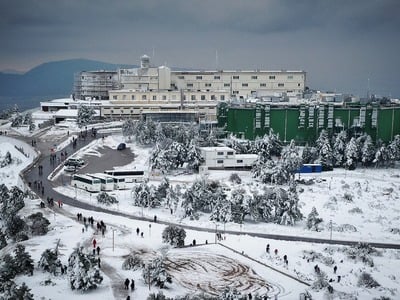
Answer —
330 225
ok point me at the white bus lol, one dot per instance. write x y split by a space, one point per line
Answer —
119 182
107 182
85 182
130 176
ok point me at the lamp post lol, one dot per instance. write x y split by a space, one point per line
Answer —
113 230
330 225
149 230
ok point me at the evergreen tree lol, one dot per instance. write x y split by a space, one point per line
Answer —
194 158
324 151
155 273
351 154
85 115
132 262
23 292
128 129
339 147
313 220
171 198
38 224
49 262
394 149
381 156
239 205
309 155
276 144
174 235
289 210
83 271
162 189
8 268
291 160
143 196
23 260
14 225
367 152
7 160
221 211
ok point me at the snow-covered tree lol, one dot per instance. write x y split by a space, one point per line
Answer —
17 120
14 225
313 220
83 271
289 211
105 198
162 189
367 151
193 157
49 262
155 273
381 156
38 224
239 205
128 129
174 235
172 198
394 149
85 115
13 201
12 291
221 210
309 154
339 147
23 261
367 281
8 269
351 154
261 207
7 160
235 178
325 154
291 159
145 132
231 294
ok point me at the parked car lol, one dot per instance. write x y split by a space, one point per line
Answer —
121 146
75 162
70 168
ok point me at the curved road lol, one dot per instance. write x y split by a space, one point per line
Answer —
31 175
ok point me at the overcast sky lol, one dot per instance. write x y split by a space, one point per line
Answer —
340 43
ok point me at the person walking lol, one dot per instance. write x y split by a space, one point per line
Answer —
132 284
94 243
98 250
137 231
126 284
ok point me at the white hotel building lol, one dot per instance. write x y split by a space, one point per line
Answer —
166 95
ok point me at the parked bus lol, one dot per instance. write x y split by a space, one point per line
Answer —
130 176
107 182
85 182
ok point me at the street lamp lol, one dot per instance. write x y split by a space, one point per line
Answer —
113 230
149 230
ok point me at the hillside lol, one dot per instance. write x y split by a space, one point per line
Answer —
48 80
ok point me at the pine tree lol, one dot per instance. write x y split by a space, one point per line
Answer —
7 160
50 262
239 205
381 156
351 154
367 152
194 158
105 198
174 235
128 129
23 292
291 159
38 224
221 211
8 268
14 225
132 262
83 271
313 220
85 115
339 147
394 149
309 154
324 151
155 273
23 260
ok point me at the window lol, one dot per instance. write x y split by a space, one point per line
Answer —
203 97
189 85
254 77
212 97
220 153
227 84
131 111
115 97
133 97
164 97
181 77
112 111
245 84
281 84
222 97
193 97
235 77
199 77
290 77
263 84
235 92
229 153
208 84
239 161
272 77
144 97
220 161
217 77
154 97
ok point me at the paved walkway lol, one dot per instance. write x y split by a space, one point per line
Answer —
32 175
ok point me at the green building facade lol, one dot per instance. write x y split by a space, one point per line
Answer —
304 123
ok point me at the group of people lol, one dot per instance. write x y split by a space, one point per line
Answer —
130 283
40 169
38 185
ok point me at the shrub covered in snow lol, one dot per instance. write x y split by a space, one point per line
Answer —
174 235
362 252
313 220
235 178
38 224
366 280
50 262
7 160
106 199
356 210
132 262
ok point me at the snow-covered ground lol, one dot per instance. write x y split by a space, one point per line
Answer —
209 267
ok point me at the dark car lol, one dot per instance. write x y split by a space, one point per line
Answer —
121 146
